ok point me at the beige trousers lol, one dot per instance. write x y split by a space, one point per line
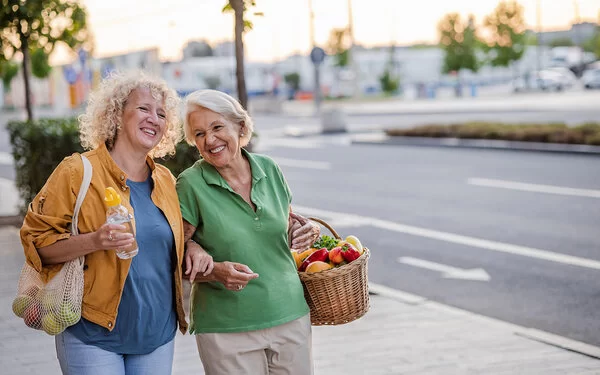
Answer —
282 350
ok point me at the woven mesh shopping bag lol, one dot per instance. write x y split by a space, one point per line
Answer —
55 305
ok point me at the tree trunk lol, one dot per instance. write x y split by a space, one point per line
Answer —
25 51
238 7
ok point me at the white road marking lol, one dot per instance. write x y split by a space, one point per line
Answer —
455 238
6 158
549 189
310 164
449 272
289 143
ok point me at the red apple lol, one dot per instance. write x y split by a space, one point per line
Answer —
33 316
335 255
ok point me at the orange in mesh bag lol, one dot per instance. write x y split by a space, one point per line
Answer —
56 305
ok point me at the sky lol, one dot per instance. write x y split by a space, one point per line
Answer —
120 26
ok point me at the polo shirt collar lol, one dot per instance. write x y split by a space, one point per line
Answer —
212 176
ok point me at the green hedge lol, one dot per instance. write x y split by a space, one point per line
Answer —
588 133
39 146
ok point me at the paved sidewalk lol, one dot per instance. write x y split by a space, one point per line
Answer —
402 334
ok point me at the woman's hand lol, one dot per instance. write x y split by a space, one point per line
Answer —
112 236
197 260
234 276
303 233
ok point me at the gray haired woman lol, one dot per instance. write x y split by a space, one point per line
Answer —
249 314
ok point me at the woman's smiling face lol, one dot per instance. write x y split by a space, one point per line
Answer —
217 138
143 121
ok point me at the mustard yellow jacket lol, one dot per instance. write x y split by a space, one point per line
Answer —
49 216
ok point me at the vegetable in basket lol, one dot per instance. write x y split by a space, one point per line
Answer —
321 255
326 242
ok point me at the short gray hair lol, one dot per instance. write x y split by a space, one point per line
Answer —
220 103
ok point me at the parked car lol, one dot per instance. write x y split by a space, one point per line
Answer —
545 80
591 79
566 75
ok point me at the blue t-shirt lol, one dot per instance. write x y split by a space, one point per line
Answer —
146 317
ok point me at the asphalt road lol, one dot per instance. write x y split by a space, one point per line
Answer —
540 249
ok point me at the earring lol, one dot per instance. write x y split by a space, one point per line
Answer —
241 134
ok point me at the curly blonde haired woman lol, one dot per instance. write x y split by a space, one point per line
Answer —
131 307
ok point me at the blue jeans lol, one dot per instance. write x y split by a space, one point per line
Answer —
78 358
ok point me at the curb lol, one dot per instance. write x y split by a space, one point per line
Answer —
488 144
525 332
13 220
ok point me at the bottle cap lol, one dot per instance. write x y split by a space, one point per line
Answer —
111 197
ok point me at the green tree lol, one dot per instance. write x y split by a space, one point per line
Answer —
562 42
293 80
593 43
239 7
40 66
507 33
338 46
388 80
39 24
8 71
459 42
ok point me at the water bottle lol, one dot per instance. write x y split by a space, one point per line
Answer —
118 214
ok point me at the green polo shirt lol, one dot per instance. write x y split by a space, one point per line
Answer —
230 230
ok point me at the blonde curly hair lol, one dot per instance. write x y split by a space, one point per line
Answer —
102 119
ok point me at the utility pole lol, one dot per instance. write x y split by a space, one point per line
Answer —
317 56
352 57
313 43
539 35
578 38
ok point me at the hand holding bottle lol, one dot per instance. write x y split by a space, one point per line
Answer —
119 217
113 236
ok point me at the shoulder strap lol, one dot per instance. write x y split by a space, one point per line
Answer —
85 184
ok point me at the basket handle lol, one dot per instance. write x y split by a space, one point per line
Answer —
323 223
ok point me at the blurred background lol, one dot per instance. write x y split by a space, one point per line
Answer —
458 139
429 49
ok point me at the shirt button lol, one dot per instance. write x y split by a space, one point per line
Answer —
109 324
122 177
255 218
123 188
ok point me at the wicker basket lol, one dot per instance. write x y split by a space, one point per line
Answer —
339 295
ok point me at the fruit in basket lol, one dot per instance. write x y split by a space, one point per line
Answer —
318 266
299 257
355 242
349 252
335 255
319 255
